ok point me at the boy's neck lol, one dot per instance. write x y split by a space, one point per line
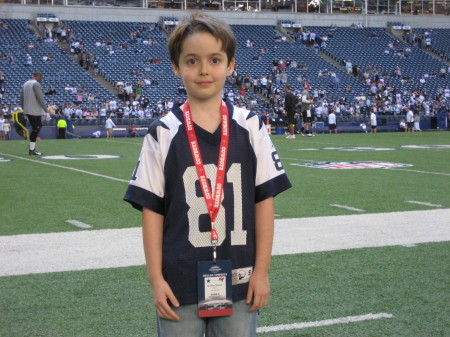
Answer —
206 114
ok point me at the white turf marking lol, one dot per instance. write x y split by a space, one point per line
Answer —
298 159
326 322
110 248
417 171
308 235
423 203
79 224
348 208
65 167
122 142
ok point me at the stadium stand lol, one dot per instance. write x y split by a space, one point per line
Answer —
136 53
59 69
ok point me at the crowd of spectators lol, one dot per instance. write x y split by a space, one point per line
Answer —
262 94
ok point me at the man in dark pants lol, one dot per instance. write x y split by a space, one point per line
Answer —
289 108
34 105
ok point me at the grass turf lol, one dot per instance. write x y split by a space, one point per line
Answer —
410 283
39 198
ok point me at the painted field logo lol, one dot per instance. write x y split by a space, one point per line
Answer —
352 165
81 156
4 160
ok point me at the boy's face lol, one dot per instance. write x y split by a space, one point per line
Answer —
203 66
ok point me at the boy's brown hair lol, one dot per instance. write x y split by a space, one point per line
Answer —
201 23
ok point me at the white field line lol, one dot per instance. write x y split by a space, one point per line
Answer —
347 208
79 224
326 322
122 142
423 203
297 159
417 171
110 248
65 167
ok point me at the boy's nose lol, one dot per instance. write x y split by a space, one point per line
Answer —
204 68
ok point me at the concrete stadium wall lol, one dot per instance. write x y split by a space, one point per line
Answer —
120 14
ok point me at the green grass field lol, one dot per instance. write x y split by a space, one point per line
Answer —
410 283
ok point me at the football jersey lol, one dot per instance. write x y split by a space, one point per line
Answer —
165 181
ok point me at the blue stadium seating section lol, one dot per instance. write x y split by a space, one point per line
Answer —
440 40
355 44
365 51
57 74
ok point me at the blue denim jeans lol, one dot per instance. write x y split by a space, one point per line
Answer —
241 324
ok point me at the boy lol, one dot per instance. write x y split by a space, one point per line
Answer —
196 207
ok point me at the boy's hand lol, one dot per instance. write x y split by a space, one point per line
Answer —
162 293
258 291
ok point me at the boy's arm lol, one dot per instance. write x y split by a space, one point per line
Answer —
259 286
152 231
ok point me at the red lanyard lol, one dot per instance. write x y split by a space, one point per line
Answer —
212 201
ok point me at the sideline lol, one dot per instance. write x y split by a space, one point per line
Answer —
65 167
325 322
111 248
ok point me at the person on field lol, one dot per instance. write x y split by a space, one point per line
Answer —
205 183
109 125
332 122
34 106
289 108
61 126
373 122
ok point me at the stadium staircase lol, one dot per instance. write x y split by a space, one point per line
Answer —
100 79
397 34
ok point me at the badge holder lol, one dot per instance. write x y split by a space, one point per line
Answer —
214 284
214 288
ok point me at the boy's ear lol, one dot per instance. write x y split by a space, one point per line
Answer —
230 67
176 70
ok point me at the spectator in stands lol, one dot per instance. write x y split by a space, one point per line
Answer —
51 91
28 60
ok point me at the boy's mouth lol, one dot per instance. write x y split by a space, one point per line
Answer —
204 83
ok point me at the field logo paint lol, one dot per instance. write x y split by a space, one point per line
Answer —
353 165
440 147
4 160
348 149
81 156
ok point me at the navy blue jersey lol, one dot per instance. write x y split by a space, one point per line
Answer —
165 181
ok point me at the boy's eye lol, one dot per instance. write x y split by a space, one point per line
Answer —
215 60
191 61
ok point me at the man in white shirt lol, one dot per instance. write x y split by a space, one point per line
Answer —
332 122
373 122
409 120
109 125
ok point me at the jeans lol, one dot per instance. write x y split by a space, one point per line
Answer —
241 324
